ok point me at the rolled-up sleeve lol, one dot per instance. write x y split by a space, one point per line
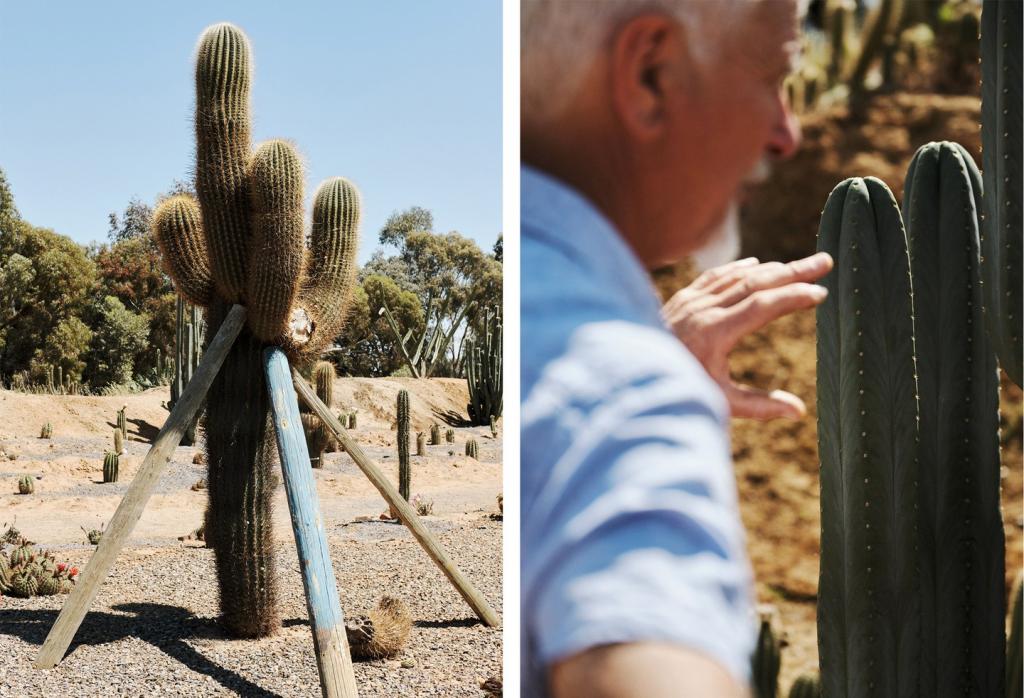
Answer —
631 530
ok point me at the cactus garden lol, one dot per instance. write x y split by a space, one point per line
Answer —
345 278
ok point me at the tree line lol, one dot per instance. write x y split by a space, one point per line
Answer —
105 313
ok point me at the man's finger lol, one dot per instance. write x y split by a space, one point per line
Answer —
774 275
757 310
713 277
751 403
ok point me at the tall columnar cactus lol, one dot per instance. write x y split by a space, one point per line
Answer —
403 444
1003 226
960 526
1014 648
243 242
110 466
318 438
766 662
449 436
868 609
435 434
122 421
484 370
421 444
806 686
188 338
118 442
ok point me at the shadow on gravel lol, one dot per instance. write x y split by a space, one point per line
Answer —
165 627
452 418
146 431
451 623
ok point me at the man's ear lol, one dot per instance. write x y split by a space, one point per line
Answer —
645 59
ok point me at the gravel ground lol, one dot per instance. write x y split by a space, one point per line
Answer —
153 627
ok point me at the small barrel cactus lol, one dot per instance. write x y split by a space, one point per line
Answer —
766 662
472 450
807 686
435 434
380 633
26 485
46 432
110 466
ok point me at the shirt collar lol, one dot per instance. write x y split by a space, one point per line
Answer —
554 213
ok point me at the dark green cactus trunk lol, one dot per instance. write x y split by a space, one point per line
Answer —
122 422
240 448
435 434
1003 227
868 610
961 530
403 444
421 444
187 342
766 663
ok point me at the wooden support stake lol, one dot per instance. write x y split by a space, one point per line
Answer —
405 511
134 502
333 661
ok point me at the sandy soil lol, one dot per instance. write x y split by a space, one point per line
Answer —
159 606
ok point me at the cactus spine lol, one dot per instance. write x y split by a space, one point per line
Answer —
472 450
807 686
110 466
46 432
26 485
766 662
483 370
1001 248
868 608
435 434
403 444
225 249
961 532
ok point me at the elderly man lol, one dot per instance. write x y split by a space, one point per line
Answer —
640 122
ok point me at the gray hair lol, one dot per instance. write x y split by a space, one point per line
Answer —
560 39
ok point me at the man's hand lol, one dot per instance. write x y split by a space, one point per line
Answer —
725 303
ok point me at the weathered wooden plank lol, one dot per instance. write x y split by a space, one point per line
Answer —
337 679
134 502
405 511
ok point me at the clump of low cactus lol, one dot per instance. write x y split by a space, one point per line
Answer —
93 535
118 442
404 476
472 450
421 444
122 421
766 662
435 434
380 633
26 485
31 573
111 461
46 432
806 686
244 242
449 436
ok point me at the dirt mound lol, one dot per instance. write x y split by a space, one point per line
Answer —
780 217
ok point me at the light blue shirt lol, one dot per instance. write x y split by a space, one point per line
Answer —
630 526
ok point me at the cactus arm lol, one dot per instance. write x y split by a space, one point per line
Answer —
1001 77
223 121
178 229
278 248
961 526
331 268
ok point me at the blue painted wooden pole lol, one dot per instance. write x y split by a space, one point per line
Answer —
332 654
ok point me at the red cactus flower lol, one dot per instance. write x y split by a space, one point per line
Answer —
73 572
61 566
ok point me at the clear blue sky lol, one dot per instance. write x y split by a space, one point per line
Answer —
402 97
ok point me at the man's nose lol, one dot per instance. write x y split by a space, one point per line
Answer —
785 136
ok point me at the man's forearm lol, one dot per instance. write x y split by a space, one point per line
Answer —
642 670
